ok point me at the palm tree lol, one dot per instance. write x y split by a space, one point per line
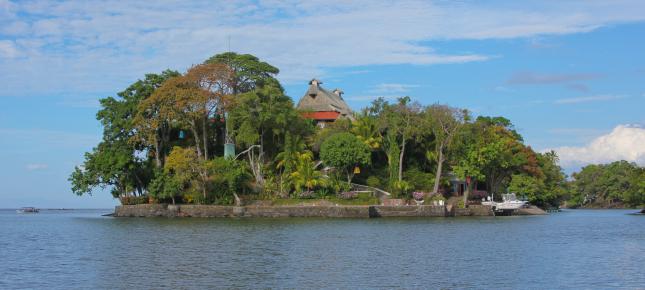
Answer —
366 129
287 160
306 174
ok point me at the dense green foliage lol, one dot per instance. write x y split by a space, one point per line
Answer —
164 138
345 151
609 185
115 162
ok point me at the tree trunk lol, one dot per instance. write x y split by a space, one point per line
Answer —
158 154
259 178
437 178
205 137
193 127
401 161
467 192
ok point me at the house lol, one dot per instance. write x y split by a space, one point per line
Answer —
323 106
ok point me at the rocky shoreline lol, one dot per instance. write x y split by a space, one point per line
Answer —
334 211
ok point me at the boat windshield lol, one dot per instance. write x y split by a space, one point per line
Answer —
509 197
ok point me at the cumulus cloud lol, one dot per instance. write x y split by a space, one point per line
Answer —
36 166
624 142
88 46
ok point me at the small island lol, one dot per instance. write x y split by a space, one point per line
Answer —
224 140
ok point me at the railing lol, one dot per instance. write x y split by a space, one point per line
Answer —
377 191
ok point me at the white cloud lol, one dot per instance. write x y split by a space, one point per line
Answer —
36 166
625 142
532 78
85 46
8 49
369 98
392 88
588 99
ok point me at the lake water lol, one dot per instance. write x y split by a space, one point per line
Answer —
80 249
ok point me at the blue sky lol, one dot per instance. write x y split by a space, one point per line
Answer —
569 74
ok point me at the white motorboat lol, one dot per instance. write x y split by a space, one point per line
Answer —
27 210
509 202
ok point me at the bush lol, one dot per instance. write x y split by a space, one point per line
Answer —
373 181
419 180
324 191
307 194
419 195
132 200
344 151
335 185
166 187
347 195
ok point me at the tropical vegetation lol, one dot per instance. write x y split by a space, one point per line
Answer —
224 131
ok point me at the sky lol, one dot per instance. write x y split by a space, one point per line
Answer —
569 74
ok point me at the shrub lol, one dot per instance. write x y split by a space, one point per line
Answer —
166 187
132 200
347 195
344 151
418 195
373 181
437 197
335 185
307 194
419 180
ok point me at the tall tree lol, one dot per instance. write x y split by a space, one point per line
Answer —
492 153
150 126
114 162
401 123
263 117
189 101
249 71
215 82
444 123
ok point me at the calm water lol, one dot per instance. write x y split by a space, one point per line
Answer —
81 249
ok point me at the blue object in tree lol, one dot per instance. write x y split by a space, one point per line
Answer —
181 134
229 150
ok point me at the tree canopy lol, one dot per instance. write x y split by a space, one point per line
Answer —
164 136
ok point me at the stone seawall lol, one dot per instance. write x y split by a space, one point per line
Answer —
189 210
472 210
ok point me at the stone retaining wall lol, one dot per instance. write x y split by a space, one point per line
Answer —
472 210
187 210
408 211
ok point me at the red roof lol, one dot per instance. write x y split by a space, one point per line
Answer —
325 115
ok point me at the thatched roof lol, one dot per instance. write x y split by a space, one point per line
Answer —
317 99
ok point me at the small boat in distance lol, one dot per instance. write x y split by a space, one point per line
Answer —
28 210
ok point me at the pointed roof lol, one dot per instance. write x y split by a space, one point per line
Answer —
318 99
